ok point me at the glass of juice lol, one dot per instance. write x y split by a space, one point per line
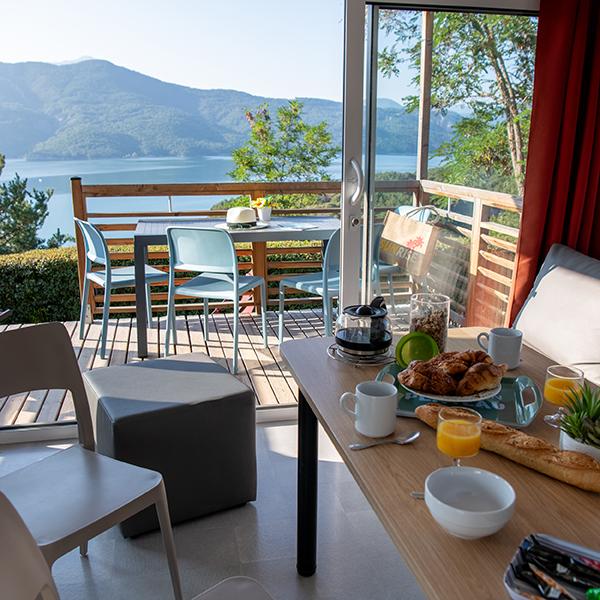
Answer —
561 381
458 436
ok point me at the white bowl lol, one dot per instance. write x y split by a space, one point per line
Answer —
469 503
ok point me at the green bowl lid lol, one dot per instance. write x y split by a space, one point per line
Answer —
415 346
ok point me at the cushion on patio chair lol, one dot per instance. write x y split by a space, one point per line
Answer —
185 417
561 316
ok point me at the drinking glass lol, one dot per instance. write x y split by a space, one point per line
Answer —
561 381
458 436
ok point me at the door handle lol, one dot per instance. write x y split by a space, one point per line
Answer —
360 182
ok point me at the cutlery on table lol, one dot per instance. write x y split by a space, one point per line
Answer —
401 441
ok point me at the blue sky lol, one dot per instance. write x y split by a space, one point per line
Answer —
280 48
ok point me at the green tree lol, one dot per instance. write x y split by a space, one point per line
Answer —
22 213
484 63
285 148
58 239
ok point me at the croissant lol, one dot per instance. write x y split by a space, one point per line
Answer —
472 357
481 376
423 377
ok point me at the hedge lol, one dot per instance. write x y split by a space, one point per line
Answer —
40 285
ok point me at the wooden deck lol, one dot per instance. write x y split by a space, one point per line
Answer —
258 367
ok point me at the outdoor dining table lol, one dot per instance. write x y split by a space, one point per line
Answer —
446 567
153 232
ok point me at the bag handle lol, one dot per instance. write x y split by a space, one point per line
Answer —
430 207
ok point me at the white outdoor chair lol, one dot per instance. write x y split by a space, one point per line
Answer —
96 252
73 495
325 283
24 574
211 253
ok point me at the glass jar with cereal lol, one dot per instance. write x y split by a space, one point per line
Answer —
430 314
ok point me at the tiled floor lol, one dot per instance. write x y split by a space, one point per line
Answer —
356 559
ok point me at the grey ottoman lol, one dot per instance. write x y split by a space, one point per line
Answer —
185 417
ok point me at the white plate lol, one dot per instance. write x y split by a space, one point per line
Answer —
259 225
485 395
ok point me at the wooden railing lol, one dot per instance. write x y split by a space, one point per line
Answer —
492 251
490 265
267 260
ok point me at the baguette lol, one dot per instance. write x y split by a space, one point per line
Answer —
574 468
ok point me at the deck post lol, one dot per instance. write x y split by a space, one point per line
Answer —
421 198
80 212
259 260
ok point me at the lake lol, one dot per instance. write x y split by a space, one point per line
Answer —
56 175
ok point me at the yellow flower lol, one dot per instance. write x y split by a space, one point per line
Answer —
259 203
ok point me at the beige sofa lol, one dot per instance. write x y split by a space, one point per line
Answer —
561 316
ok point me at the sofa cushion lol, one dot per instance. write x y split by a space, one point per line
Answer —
561 316
185 417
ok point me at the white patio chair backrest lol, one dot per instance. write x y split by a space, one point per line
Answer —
202 250
331 258
96 248
24 573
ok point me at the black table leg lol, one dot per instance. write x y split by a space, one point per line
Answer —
306 559
139 255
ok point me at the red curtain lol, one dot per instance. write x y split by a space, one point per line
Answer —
562 183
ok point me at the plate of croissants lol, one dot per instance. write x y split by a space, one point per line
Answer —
468 376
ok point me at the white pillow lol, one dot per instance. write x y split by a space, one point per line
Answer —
561 317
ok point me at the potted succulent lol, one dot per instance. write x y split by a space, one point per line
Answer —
263 208
580 422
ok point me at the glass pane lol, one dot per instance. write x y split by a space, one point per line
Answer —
477 109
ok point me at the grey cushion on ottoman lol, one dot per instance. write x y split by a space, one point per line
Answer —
185 417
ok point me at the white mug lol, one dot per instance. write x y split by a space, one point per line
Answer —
375 405
503 344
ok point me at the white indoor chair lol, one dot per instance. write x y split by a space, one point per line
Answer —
75 494
96 253
25 575
210 252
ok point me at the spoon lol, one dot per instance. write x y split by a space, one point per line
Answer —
405 439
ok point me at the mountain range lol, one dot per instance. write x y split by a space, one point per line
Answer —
94 109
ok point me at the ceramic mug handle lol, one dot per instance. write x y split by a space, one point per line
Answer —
344 398
480 337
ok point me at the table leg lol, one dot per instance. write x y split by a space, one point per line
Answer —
139 256
260 268
306 555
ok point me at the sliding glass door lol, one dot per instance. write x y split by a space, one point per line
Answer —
391 136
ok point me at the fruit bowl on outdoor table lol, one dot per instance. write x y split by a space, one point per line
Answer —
516 403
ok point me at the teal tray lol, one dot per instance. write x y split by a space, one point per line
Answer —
509 407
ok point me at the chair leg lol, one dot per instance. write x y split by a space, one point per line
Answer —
206 319
149 304
167 534
84 304
169 324
280 311
327 315
83 549
263 312
105 313
236 321
390 279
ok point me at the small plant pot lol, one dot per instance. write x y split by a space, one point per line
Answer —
264 214
568 443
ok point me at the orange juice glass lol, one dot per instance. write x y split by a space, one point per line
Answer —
459 437
560 380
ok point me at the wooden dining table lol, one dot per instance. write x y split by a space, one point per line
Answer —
446 567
